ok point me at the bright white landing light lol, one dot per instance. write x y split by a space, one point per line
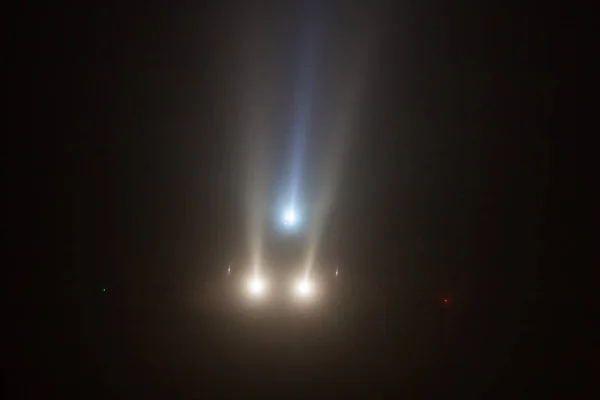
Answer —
304 288
256 286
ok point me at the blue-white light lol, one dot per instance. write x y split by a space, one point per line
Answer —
290 218
290 214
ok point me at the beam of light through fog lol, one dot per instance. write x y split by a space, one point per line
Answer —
255 125
291 212
351 80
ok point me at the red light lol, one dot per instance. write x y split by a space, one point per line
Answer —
446 301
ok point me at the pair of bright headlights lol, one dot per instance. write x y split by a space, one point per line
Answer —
303 288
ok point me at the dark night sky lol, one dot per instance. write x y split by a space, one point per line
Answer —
130 165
